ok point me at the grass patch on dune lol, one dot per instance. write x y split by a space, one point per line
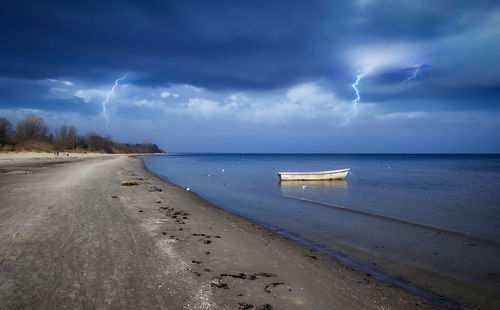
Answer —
29 146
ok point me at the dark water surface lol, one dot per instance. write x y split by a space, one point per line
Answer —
430 220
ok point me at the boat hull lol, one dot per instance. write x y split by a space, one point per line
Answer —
314 176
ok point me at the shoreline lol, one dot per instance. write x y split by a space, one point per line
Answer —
402 283
319 250
156 245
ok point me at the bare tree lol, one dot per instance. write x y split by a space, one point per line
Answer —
32 128
6 130
97 143
65 137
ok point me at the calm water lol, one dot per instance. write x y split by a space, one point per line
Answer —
432 220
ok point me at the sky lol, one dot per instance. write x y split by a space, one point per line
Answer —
259 76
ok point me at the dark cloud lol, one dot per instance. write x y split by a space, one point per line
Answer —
244 44
207 43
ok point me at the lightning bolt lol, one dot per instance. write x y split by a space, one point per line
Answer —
354 109
413 75
108 96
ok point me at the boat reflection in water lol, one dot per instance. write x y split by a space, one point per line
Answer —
302 188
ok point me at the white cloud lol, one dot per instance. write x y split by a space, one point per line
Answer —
148 103
91 95
142 102
196 89
403 115
206 108
65 83
304 101
310 101
60 92
29 111
313 100
373 58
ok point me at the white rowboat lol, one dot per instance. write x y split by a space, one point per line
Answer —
314 176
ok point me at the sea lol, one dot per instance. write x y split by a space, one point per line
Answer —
429 223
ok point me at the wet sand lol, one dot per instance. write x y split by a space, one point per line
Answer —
73 237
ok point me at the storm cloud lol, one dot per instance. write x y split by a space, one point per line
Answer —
260 52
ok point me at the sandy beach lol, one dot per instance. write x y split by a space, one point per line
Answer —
73 237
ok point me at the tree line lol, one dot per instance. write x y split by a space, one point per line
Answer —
32 134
